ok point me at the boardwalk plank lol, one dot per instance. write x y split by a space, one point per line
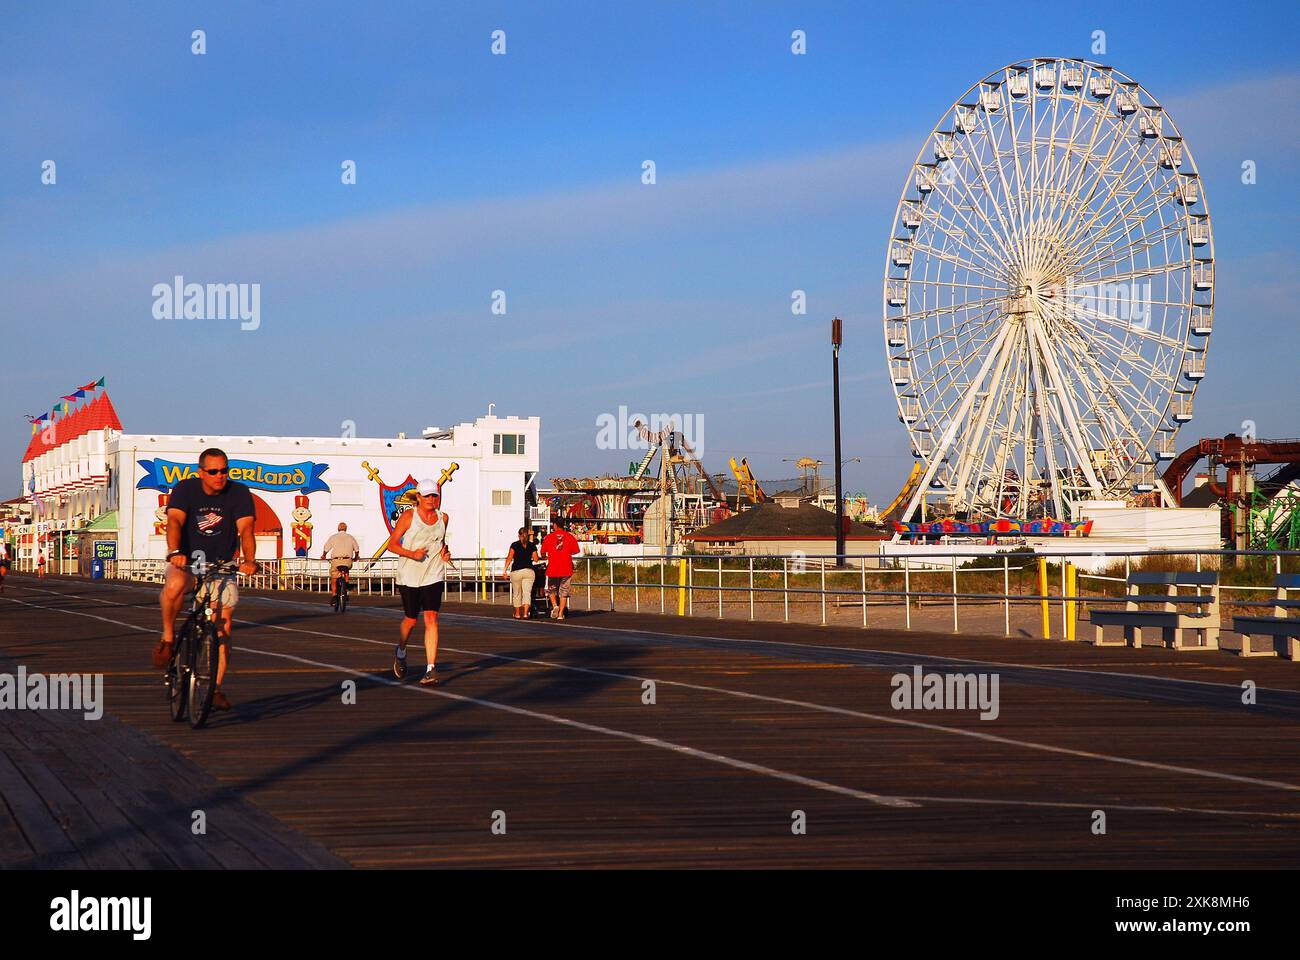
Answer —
51 846
14 847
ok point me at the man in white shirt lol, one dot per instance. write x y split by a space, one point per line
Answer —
340 550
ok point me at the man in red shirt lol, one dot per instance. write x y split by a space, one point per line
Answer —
559 548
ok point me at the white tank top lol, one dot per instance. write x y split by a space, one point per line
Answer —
421 573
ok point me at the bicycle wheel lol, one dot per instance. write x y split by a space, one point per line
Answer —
176 677
343 598
203 675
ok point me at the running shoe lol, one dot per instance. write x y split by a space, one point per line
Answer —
399 667
429 679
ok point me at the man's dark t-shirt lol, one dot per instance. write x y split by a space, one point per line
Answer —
210 517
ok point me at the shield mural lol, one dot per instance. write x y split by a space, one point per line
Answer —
394 500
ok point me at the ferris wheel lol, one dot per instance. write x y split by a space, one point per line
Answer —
1048 294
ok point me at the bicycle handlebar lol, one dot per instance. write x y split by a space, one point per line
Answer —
215 566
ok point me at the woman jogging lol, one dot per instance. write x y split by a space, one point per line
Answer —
420 539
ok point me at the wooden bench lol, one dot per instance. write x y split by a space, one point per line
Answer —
1197 612
1281 629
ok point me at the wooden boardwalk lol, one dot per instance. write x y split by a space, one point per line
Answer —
545 726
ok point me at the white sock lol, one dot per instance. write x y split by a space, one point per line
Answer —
401 653
429 668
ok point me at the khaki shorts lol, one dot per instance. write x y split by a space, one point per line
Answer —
336 565
562 585
222 590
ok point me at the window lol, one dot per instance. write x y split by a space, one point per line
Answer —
500 498
509 444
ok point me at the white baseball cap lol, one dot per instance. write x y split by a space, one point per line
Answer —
427 487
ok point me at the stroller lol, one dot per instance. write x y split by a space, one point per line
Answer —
541 603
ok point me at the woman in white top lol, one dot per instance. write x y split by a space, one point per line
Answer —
420 539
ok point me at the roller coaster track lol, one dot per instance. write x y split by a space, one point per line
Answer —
1235 452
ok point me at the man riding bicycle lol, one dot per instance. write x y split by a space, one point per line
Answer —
340 550
208 517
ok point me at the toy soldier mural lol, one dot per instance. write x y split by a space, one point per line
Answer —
301 528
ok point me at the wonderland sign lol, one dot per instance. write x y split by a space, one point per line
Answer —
302 477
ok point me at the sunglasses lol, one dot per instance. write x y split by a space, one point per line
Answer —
217 472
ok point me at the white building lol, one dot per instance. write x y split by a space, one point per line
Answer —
65 470
303 487
85 468
65 482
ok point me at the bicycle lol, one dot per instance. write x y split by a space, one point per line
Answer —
191 677
339 601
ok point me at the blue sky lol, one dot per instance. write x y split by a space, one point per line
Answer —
522 173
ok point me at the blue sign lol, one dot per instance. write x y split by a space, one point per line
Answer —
276 477
105 549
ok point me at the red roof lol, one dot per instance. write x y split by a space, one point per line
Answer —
96 415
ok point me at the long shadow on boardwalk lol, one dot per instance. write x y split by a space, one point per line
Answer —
166 816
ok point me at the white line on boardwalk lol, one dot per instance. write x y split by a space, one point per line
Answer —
743 641
882 800
842 711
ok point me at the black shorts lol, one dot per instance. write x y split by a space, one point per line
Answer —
417 599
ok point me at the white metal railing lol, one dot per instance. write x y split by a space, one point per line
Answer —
476 575
906 580
924 577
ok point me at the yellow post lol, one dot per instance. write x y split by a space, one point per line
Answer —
1042 592
681 589
1071 606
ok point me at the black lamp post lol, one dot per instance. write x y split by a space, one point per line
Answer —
837 337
